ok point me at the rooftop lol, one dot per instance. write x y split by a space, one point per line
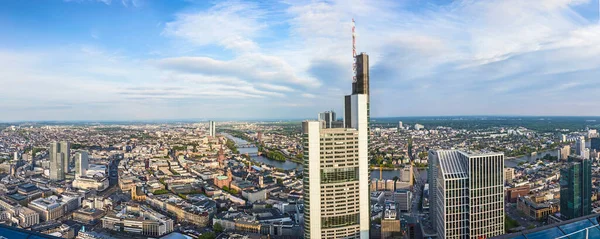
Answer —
575 228
17 233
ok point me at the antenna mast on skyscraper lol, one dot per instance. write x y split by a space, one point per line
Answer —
353 52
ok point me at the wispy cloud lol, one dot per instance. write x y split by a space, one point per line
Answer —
435 57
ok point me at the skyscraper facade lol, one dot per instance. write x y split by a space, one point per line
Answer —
328 117
467 193
81 163
336 171
580 146
212 130
576 189
59 160
595 144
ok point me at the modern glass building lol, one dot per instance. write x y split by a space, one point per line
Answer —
576 189
466 193
595 144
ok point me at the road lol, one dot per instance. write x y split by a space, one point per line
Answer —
417 192
524 221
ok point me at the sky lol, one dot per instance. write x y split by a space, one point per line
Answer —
279 59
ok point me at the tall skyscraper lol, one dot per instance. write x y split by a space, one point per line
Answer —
467 194
580 146
595 144
336 170
400 126
359 87
81 163
59 160
576 189
328 117
212 130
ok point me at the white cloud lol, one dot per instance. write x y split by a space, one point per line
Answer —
460 57
230 24
308 95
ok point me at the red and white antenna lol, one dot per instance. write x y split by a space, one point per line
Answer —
353 52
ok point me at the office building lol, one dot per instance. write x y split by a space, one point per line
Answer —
466 200
564 152
563 138
400 126
403 198
336 173
95 182
360 86
509 174
137 219
390 224
328 117
595 144
212 130
576 189
592 133
54 207
580 146
81 163
59 160
419 127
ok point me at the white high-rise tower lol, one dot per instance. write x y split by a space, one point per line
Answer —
212 131
336 169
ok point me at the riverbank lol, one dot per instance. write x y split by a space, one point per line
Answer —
261 159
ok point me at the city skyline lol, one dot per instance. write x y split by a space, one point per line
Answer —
152 61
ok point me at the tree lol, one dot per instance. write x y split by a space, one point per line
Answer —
207 235
218 228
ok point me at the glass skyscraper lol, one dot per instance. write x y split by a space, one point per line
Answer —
576 189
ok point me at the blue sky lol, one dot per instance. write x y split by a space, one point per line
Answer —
141 59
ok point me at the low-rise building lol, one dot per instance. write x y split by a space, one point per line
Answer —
54 207
138 220
87 183
537 211
88 216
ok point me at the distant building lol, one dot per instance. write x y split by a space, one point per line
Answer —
509 174
576 189
563 138
81 163
59 160
212 130
419 127
592 133
564 152
595 144
328 117
400 126
466 201
580 146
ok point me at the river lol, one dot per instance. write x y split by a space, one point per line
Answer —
287 165
514 162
